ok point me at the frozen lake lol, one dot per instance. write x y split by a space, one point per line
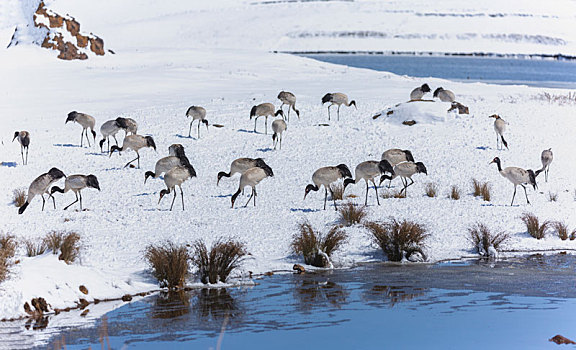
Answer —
542 73
514 303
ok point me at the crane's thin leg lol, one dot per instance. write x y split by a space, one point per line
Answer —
22 154
513 196
251 195
338 112
266 125
53 200
390 182
87 138
288 118
68 206
366 200
325 197
255 195
333 199
80 195
190 128
173 199
28 147
403 185
181 196
199 128
81 138
376 189
255 119
43 201
526 194
546 173
329 111
114 140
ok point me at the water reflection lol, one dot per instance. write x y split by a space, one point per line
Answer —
171 305
318 292
387 295
215 304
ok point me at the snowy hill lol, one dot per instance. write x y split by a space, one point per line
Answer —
216 54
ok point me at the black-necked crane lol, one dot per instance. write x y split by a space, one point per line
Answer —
517 176
368 170
176 177
419 92
176 158
278 127
499 128
546 158
288 99
111 128
197 113
240 166
76 183
444 95
395 156
406 170
264 110
135 143
131 126
40 186
339 99
24 141
252 177
326 176
86 121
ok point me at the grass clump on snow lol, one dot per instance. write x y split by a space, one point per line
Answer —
476 188
454 193
431 189
387 194
481 189
533 226
216 264
169 264
316 247
67 243
552 196
54 240
8 246
337 191
35 247
482 239
19 197
398 238
351 213
561 230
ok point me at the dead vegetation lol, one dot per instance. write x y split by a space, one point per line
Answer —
552 196
169 264
8 246
337 191
388 193
316 247
34 247
216 264
481 189
431 189
351 213
482 239
454 193
19 197
558 99
561 230
398 239
533 226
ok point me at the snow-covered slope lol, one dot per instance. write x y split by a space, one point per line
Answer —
214 54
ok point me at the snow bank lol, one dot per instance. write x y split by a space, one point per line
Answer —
421 112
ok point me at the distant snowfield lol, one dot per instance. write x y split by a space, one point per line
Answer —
217 56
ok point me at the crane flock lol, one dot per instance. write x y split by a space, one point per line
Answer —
177 168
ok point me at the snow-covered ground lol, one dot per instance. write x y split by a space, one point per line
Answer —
216 54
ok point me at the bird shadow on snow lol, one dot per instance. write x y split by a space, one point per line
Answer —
66 145
143 194
268 149
304 210
222 196
9 164
249 131
97 154
186 137
484 148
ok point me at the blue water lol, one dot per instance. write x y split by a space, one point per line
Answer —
543 73
513 304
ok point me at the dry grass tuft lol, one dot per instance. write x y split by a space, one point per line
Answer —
431 189
35 247
316 247
216 264
70 247
351 213
19 197
573 235
485 192
337 191
169 263
476 188
559 99
533 226
8 246
54 240
552 196
387 194
482 239
454 192
561 229
397 238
